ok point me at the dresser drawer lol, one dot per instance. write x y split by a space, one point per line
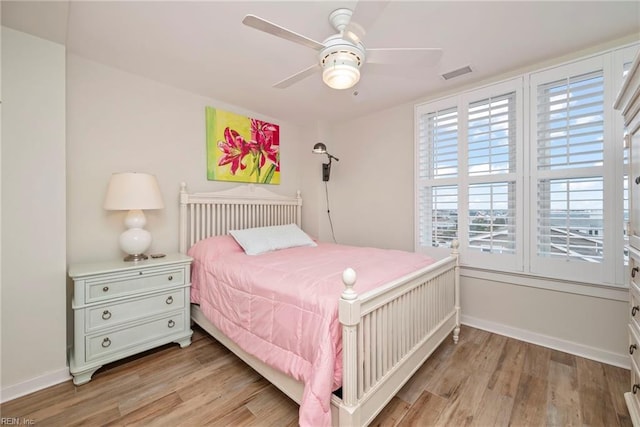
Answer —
633 394
634 308
106 344
634 344
109 315
634 268
132 283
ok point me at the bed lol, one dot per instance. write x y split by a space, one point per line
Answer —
386 333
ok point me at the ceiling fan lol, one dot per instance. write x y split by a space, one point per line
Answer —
342 55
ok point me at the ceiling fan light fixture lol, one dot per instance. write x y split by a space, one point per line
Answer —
341 75
341 55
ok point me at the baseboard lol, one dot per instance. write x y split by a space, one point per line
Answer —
599 355
35 384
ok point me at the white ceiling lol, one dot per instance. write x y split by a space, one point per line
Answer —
204 48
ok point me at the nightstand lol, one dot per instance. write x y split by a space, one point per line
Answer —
123 308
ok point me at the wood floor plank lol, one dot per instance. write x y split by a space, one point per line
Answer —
536 361
229 401
488 354
494 409
271 407
506 376
617 384
463 405
392 414
427 373
596 407
151 411
530 402
563 398
484 380
241 416
425 412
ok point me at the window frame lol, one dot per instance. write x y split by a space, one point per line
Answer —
505 262
562 268
611 272
462 180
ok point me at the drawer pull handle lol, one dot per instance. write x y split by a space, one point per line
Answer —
105 289
106 342
169 300
632 348
634 310
634 270
636 387
637 179
171 324
106 315
170 278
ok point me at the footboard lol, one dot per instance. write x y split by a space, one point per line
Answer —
389 332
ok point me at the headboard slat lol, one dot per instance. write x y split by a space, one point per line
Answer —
203 215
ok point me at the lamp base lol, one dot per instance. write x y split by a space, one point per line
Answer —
135 257
135 240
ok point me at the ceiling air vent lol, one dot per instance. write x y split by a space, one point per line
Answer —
456 73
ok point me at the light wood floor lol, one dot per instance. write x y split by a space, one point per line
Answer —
484 380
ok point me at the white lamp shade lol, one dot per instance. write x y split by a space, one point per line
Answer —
132 190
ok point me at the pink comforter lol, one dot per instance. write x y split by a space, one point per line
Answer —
282 306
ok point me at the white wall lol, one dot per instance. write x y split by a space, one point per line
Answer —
33 216
122 122
314 210
594 327
371 188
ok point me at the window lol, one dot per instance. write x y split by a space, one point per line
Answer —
491 166
437 170
467 180
569 134
546 202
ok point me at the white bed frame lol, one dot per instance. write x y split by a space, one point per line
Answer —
387 333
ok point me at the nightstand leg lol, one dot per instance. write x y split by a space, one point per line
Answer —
184 342
84 377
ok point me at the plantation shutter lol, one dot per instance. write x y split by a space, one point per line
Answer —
570 155
491 153
437 169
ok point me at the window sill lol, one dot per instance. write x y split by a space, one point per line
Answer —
611 292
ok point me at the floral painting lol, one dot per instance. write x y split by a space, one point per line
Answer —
241 149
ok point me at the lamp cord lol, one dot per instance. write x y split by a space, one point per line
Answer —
326 189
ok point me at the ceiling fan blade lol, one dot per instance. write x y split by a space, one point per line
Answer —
419 56
364 15
278 31
297 77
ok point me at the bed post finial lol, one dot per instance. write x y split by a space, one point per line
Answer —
349 279
455 245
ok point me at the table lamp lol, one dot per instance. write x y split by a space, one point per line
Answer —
133 192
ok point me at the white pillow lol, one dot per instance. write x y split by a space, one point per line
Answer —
259 240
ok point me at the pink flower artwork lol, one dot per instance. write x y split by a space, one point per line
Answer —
241 148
